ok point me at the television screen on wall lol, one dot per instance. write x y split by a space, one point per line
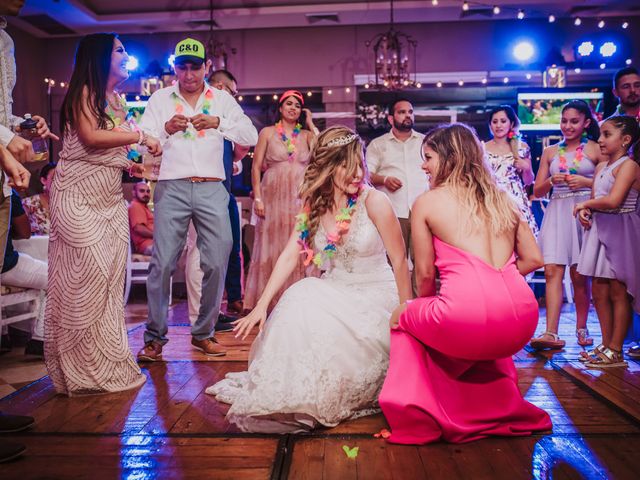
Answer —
542 110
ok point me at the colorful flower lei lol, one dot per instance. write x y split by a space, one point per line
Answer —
513 134
562 159
343 222
190 132
289 142
133 152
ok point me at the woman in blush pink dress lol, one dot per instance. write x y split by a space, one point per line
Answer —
283 151
451 376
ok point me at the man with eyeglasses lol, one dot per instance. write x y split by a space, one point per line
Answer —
141 219
233 154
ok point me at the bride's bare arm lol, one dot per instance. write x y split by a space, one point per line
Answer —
382 215
287 262
423 253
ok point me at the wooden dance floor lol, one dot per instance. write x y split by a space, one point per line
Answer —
171 429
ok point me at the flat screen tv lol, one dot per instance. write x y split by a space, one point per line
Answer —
542 110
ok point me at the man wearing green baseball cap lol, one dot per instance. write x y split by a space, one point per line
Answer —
192 121
189 50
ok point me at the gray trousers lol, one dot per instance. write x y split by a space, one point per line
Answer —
176 203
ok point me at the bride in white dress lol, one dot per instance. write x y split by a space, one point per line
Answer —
322 355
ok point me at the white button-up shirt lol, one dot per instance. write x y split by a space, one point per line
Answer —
390 157
195 155
7 82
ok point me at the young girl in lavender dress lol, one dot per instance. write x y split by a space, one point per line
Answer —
510 160
609 250
567 169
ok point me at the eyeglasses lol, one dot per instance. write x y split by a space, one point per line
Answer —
233 93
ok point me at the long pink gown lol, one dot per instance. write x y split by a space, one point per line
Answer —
451 376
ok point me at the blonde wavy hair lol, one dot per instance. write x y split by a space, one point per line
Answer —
327 155
463 169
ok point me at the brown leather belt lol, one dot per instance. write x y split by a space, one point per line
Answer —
203 179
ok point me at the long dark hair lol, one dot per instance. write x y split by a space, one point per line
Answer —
593 130
514 141
91 70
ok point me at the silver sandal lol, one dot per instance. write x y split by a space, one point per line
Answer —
607 358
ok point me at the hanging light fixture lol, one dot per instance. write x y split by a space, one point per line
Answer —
393 53
217 50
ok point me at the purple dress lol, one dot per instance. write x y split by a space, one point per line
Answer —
561 234
609 249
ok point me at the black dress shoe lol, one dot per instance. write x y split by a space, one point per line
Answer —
5 344
223 327
14 423
222 318
34 348
10 450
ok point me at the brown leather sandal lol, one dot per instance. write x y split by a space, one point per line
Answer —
607 358
539 343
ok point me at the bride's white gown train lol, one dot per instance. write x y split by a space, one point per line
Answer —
323 354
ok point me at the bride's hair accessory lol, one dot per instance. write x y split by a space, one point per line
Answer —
343 222
341 141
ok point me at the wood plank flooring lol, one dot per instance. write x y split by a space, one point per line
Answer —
169 428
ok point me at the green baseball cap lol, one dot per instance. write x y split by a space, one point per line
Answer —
189 50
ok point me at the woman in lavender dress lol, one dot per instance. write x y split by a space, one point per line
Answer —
510 160
567 168
609 251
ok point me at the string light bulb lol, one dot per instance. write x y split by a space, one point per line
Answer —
275 97
460 82
496 10
577 22
601 24
465 6
520 14
484 81
625 25
439 84
309 94
505 80
434 3
552 18
258 98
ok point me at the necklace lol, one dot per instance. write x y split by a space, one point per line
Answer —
343 222
289 142
191 132
120 105
562 159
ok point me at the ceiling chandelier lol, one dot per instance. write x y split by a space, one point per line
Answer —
393 53
217 50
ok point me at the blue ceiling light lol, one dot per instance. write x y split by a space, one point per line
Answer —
608 49
523 51
133 63
585 49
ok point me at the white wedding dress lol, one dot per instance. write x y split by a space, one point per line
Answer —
323 354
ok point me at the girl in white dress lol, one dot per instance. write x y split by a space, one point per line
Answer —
322 356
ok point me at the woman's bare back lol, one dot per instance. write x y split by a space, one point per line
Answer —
449 222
